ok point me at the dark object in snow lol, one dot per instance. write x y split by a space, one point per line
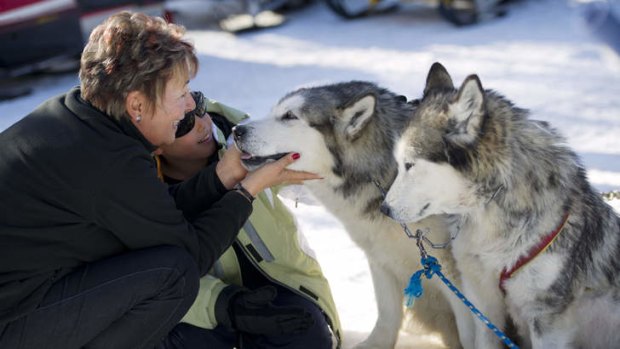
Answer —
602 19
351 9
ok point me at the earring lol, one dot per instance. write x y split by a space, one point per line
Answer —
138 118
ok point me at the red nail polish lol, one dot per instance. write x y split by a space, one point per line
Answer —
296 156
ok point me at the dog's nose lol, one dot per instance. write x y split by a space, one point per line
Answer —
238 132
385 209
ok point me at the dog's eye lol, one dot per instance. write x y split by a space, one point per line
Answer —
289 116
408 165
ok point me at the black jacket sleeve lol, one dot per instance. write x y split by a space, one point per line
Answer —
151 217
198 193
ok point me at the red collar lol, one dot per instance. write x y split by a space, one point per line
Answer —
533 253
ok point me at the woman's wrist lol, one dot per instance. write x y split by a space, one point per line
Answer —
228 176
243 191
251 186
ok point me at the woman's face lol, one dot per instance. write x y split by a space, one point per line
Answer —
197 144
159 124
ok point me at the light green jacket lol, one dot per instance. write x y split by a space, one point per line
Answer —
271 241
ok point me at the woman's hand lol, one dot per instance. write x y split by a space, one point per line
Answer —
276 173
229 169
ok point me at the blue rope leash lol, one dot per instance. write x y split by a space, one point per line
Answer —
431 267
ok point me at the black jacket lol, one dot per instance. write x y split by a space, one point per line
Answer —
77 186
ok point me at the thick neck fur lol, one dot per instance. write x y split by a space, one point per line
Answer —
528 179
369 157
525 165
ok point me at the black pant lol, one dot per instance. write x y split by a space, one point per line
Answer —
128 301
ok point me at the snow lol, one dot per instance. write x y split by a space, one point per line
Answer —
541 56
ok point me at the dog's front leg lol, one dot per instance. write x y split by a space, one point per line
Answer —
483 292
389 298
464 319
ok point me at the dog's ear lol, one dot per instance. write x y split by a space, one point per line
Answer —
467 111
438 78
356 116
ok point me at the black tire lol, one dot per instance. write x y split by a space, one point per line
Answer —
336 6
292 5
458 17
342 11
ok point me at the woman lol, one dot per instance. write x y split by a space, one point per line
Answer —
267 261
94 250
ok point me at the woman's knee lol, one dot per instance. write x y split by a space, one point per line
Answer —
182 270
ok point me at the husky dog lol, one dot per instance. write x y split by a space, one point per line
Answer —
346 133
536 242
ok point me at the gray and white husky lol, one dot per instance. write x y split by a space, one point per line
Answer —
346 133
536 242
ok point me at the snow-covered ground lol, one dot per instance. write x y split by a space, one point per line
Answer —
541 56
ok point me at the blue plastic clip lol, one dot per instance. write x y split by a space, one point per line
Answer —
414 289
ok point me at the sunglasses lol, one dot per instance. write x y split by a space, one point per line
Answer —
187 124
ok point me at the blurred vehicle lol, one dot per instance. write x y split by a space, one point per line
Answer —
458 12
48 35
234 16
358 8
93 12
602 18
36 35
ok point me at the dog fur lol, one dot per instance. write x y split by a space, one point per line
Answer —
346 133
511 180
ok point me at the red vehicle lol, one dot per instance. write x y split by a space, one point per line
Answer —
37 35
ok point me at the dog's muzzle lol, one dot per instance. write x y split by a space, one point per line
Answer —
249 160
